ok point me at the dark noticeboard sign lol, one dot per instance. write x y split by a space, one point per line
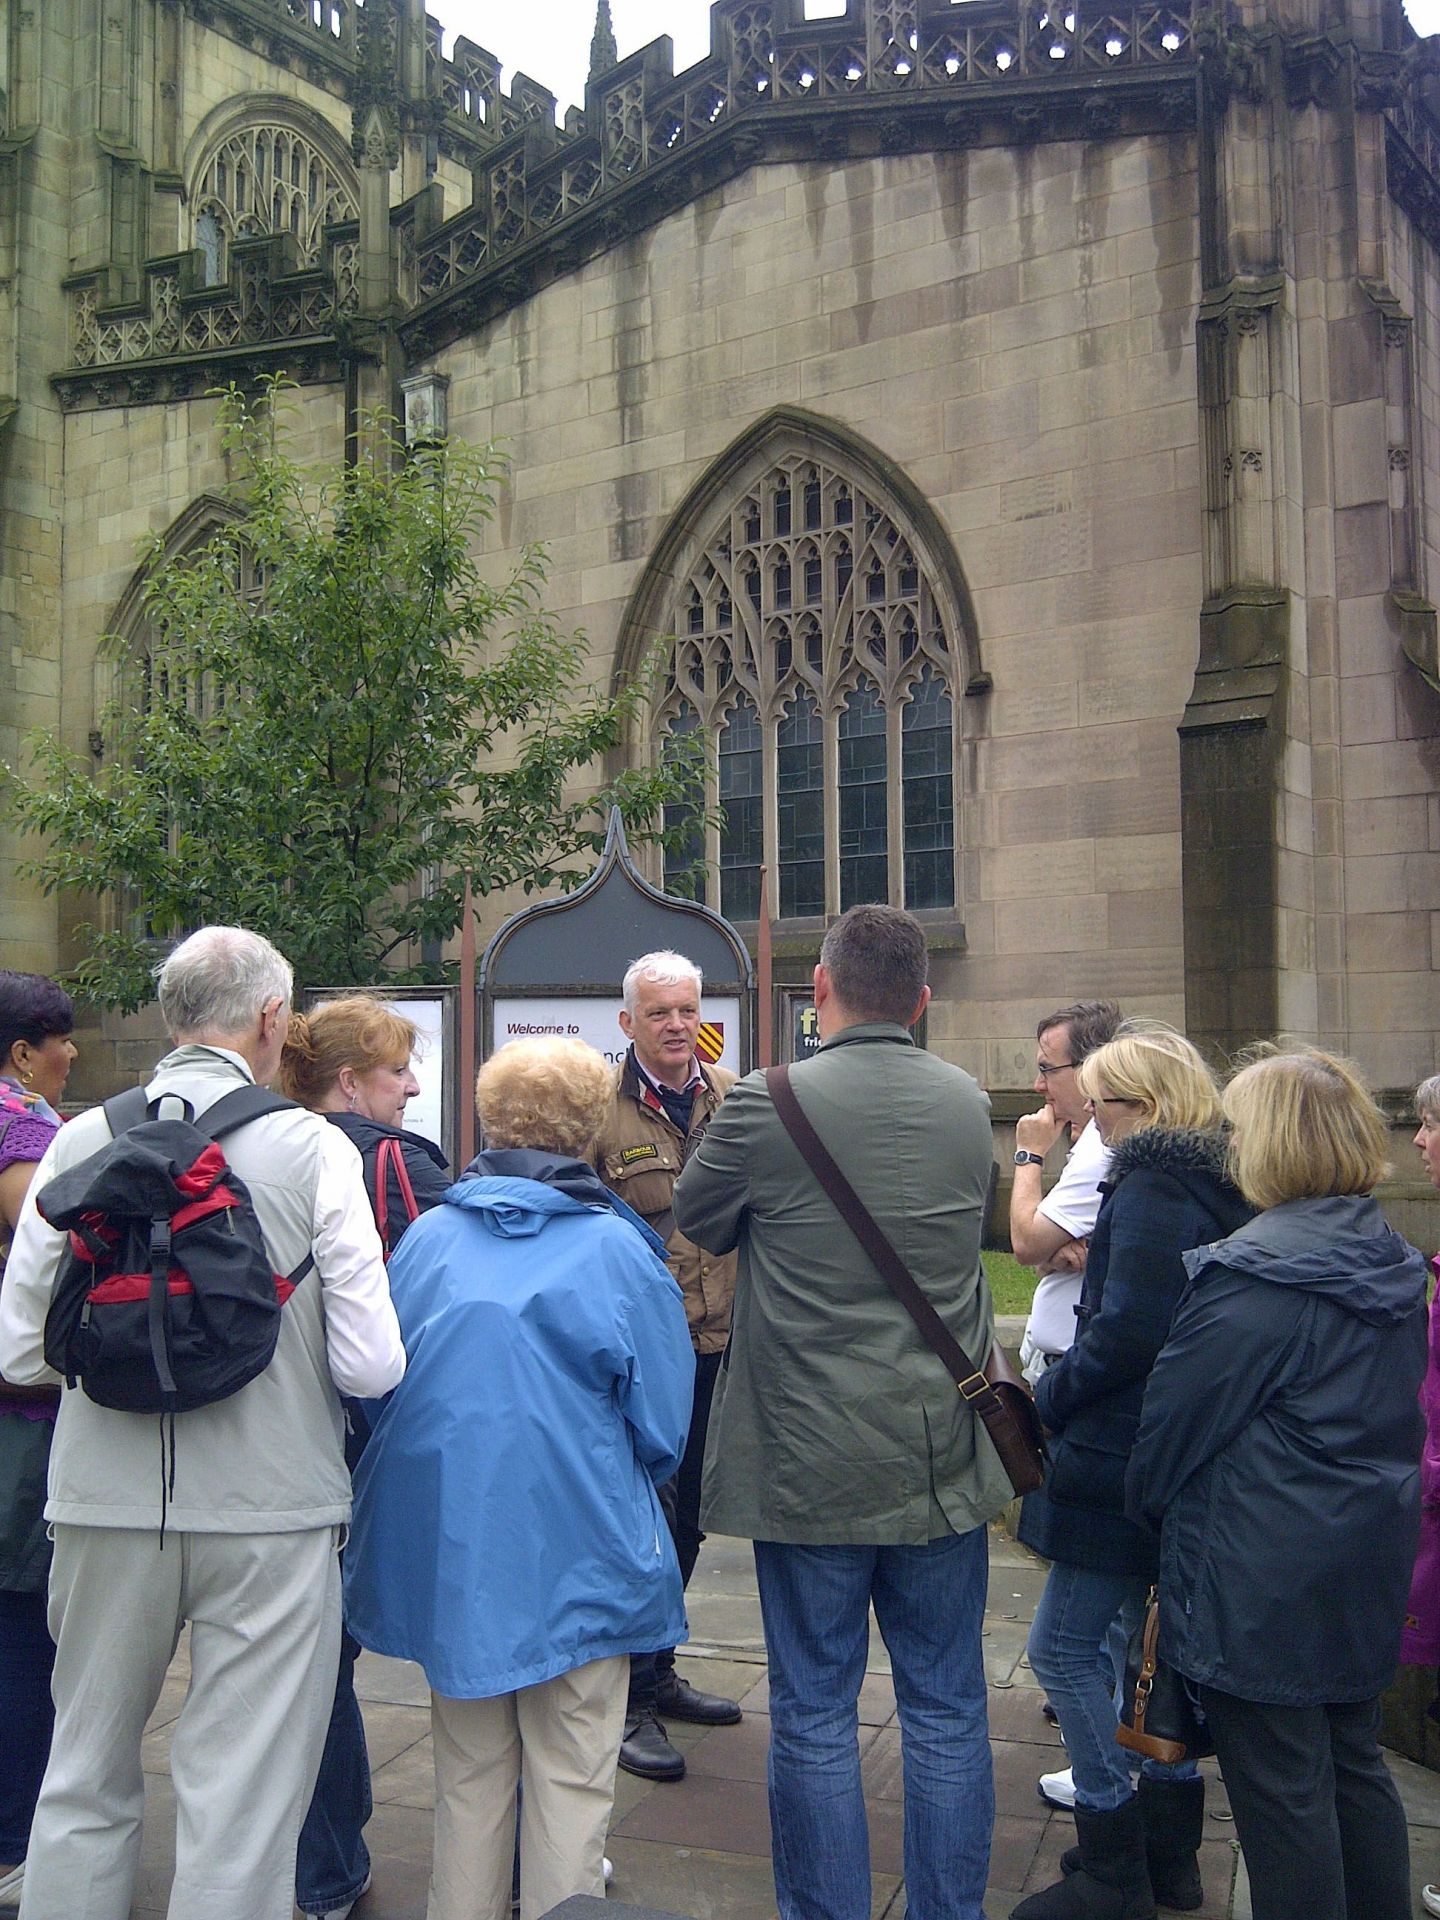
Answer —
557 967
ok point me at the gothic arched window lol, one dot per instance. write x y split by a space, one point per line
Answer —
263 178
819 647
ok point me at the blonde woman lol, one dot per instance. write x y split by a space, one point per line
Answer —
1279 1454
507 1531
1157 1107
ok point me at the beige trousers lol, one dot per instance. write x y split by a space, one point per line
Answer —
264 1614
564 1735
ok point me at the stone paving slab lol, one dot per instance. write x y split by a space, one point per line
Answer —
702 1847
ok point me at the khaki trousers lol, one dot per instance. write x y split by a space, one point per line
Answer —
565 1736
264 1614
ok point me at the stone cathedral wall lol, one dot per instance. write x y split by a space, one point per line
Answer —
1014 330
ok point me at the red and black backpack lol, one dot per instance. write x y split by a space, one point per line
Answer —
165 1298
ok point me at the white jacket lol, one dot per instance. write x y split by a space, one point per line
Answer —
268 1459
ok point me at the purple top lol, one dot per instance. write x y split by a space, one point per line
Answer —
24 1136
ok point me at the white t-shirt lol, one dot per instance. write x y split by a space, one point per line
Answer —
1072 1204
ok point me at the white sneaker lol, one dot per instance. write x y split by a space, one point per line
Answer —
1058 1790
344 1913
1429 1899
607 1867
12 1885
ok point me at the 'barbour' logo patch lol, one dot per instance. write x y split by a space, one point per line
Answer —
627 1154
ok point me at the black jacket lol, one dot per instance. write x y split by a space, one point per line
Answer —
424 1162
1165 1191
1280 1447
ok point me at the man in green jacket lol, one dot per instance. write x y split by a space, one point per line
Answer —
838 1443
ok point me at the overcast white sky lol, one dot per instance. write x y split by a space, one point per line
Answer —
550 39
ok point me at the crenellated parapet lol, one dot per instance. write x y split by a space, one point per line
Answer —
884 77
183 336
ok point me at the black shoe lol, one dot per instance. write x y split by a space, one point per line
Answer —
678 1700
646 1752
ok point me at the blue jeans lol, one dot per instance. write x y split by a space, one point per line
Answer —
928 1603
1071 1656
333 1862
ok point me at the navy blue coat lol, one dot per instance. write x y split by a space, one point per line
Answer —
1165 1191
424 1162
1280 1448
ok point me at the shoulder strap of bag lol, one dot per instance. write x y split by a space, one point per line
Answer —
390 1158
861 1222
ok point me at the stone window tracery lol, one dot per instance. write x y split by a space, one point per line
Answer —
815 649
266 179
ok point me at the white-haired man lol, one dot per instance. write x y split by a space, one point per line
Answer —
254 1516
665 1097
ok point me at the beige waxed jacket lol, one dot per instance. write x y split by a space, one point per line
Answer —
640 1156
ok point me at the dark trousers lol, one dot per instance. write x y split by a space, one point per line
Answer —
1317 1814
680 1501
27 1654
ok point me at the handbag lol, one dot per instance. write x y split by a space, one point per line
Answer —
995 1392
1158 1718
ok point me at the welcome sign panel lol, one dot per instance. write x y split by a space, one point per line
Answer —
596 1020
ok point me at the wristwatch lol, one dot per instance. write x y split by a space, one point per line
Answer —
1024 1159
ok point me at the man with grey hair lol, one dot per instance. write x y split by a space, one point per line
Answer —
665 1097
254 1512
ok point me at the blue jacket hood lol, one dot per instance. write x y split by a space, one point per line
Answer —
1339 1248
517 1192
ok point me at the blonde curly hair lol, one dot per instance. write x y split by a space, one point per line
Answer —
550 1094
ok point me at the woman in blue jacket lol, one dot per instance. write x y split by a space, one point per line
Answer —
1156 1105
1279 1453
507 1534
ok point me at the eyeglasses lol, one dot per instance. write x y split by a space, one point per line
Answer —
1046 1067
1115 1100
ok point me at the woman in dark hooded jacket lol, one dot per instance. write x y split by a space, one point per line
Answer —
1156 1104
1279 1454
349 1058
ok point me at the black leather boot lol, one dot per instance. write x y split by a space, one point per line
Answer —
645 1749
1112 1882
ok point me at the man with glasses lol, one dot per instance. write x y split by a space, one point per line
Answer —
1049 1231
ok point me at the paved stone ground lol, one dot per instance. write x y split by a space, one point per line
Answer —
702 1847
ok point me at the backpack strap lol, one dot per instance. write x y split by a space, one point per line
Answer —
237 1110
126 1110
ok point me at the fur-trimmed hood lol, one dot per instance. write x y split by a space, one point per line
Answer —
1170 1150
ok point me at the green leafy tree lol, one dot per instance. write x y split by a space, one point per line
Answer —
339 721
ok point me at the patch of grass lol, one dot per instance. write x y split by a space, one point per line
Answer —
1010 1283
